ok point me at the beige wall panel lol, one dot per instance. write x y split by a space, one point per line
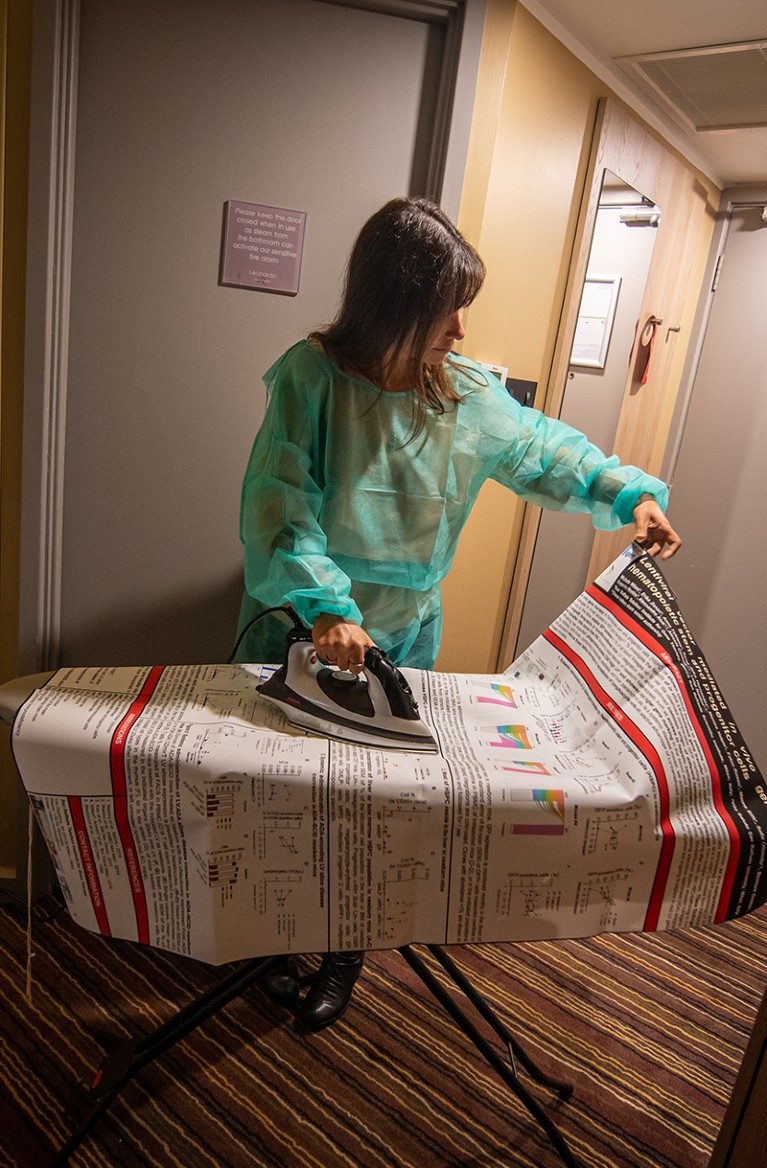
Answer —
528 213
689 204
536 213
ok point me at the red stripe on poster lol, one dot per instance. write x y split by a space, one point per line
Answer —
650 643
650 753
75 805
120 790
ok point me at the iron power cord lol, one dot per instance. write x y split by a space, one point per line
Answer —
297 624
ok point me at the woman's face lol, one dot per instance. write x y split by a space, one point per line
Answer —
445 335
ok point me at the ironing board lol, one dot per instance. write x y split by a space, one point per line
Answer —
619 669
117 1070
128 1059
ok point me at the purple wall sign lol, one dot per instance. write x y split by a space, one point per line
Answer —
262 247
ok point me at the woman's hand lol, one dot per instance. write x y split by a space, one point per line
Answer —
340 642
653 529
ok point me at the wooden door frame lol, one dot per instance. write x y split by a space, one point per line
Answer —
624 146
740 1143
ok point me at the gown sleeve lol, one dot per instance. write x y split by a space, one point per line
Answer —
554 466
286 560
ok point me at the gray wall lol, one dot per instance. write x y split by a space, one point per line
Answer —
182 105
720 482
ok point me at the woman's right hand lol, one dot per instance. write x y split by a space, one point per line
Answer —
340 642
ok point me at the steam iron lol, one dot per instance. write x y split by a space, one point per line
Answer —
375 708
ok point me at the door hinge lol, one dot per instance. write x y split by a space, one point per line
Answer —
717 272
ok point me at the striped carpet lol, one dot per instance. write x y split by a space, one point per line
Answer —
649 1029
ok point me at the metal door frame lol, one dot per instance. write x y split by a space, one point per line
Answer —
733 199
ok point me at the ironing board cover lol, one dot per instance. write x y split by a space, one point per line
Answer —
599 784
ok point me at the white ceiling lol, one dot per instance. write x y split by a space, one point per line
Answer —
600 32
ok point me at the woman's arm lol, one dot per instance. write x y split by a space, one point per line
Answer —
549 463
286 557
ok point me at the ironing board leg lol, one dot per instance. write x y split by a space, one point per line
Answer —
507 1073
564 1090
128 1059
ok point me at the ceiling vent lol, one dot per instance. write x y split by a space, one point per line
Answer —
718 87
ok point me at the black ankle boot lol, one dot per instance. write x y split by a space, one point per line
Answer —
331 990
281 981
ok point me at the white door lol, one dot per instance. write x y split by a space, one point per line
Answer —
182 105
719 484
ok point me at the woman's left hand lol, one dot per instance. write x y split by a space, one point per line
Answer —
653 530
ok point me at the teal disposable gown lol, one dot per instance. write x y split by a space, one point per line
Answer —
343 513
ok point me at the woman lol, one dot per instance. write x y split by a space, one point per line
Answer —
375 443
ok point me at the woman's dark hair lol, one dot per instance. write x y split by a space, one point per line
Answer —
409 269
